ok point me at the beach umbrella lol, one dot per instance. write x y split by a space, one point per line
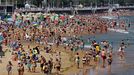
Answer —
41 17
30 13
62 17
35 25
10 22
28 19
2 17
1 21
71 16
34 22
8 16
17 23
5 27
9 19
1 37
18 16
52 18
39 14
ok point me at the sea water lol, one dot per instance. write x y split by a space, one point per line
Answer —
125 67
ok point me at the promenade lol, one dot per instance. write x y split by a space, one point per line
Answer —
69 9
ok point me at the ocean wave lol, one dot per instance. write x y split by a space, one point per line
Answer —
118 30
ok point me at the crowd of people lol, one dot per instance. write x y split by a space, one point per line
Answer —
49 30
100 52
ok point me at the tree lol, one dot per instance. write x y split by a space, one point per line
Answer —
60 3
38 3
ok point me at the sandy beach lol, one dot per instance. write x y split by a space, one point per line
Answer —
97 33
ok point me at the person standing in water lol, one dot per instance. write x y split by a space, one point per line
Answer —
9 67
129 25
109 59
103 55
121 52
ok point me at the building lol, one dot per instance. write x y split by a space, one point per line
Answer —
6 6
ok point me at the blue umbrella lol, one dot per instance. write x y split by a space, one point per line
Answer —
5 27
17 23
1 38
35 23
9 19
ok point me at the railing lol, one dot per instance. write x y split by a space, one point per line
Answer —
68 8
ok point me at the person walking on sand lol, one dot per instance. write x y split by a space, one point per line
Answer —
9 67
34 65
46 69
50 66
42 61
20 69
57 67
29 63
77 60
